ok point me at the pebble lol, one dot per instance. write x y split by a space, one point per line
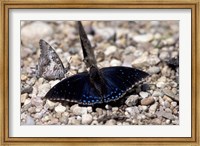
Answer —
131 111
132 100
33 32
144 94
153 60
29 121
73 121
167 98
108 107
111 122
174 104
140 62
157 94
170 94
110 50
50 104
164 55
53 83
156 121
44 88
86 119
60 108
147 101
160 85
79 110
115 62
153 70
27 103
153 108
23 77
89 109
24 97
143 38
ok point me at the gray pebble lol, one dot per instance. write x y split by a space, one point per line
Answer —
60 108
143 94
132 100
153 70
153 108
86 119
143 38
29 121
110 50
44 88
164 55
24 97
111 122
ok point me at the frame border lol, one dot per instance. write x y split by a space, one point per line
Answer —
128 4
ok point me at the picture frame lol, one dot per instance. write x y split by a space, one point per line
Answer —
6 5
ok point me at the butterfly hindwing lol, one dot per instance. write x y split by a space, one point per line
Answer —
119 80
49 66
76 88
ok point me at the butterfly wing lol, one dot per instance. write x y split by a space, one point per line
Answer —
50 66
119 80
77 89
88 51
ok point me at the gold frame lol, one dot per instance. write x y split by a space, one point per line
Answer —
181 4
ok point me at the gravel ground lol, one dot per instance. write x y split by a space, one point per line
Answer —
146 45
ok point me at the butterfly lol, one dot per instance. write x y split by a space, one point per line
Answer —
49 65
96 86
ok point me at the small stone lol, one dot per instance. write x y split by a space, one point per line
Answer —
29 121
160 85
23 77
95 123
153 108
110 50
24 97
108 107
143 38
140 62
132 100
50 104
115 109
27 103
166 104
164 55
111 122
147 101
99 111
89 109
157 94
60 108
86 119
115 62
165 97
131 111
153 60
174 104
168 121
43 89
143 94
79 110
170 94
175 122
156 121
153 70
36 101
168 116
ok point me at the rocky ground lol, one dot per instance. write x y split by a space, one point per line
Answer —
146 45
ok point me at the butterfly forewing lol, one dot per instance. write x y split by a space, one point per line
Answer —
119 80
50 66
88 52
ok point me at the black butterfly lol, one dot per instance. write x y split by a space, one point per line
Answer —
49 66
98 85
